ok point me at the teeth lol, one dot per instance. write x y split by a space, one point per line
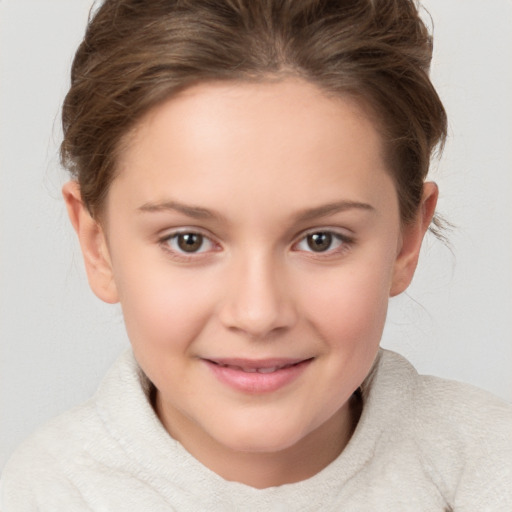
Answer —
268 370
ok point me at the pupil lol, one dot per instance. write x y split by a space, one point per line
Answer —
190 242
319 242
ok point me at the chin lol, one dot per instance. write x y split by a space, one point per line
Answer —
267 439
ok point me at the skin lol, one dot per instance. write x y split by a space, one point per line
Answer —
254 168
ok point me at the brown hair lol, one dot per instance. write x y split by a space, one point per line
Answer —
137 53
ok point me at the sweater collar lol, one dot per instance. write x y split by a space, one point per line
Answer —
123 402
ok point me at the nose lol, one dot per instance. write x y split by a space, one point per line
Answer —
258 299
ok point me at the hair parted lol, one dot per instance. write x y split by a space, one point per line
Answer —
137 53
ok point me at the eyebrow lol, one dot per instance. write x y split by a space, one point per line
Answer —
195 212
332 208
198 212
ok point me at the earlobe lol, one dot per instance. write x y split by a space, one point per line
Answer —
93 244
412 237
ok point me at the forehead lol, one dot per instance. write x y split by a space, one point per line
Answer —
291 104
286 138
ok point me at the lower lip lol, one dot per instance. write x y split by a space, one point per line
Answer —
257 383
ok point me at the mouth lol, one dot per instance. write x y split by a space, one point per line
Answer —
257 376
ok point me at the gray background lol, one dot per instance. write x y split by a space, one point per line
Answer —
57 339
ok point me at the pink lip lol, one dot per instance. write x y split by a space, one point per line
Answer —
257 376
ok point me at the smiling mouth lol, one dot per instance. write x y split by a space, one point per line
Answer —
257 376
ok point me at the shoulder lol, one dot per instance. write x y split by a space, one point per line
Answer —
471 412
468 433
435 401
463 435
454 410
51 461
46 460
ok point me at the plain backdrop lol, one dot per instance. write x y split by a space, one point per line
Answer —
57 340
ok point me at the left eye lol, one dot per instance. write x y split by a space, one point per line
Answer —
321 241
189 243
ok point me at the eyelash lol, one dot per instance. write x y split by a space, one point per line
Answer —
345 243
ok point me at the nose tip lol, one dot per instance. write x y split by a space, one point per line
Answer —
258 303
257 322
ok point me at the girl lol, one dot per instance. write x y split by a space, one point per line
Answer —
249 183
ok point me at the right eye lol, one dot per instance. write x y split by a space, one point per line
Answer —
188 243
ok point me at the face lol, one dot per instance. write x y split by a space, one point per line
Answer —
253 239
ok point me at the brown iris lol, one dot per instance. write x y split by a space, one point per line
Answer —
319 242
189 242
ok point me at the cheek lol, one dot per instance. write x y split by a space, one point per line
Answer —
349 306
163 308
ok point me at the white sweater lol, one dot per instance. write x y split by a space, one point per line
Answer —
422 444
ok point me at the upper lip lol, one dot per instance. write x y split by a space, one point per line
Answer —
257 364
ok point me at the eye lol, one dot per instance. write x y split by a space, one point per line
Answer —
189 243
322 241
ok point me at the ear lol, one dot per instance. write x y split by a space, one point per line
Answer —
411 239
93 244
